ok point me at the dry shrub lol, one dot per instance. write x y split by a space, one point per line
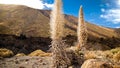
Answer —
116 66
116 57
90 55
113 54
108 54
72 48
39 53
60 57
5 52
96 54
20 54
115 50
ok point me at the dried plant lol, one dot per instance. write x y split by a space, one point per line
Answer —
81 31
57 21
6 52
60 58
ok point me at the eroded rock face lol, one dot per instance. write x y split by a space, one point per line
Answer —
97 63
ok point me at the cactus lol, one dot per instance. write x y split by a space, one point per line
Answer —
59 56
81 31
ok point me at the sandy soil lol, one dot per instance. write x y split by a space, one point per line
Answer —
26 62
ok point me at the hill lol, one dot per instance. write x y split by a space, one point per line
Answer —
24 29
18 19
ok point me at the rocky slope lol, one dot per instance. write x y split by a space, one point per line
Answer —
17 19
24 29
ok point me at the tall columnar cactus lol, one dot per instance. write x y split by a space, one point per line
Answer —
60 59
81 30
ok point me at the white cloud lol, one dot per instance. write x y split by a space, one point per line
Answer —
38 4
117 27
112 15
118 2
103 10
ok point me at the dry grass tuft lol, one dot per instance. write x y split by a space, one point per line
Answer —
5 52
116 57
115 50
108 54
90 55
20 54
113 55
39 53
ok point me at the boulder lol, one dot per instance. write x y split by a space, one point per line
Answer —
97 63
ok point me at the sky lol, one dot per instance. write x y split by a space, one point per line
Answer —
100 12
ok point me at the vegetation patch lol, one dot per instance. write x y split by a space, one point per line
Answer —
116 50
39 53
113 55
20 54
5 53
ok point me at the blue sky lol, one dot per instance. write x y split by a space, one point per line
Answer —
100 12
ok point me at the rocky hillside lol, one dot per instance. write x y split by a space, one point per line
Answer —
17 19
24 29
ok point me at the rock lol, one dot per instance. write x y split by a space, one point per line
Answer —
16 62
70 67
116 66
97 63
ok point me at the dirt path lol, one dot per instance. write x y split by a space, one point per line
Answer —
26 62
